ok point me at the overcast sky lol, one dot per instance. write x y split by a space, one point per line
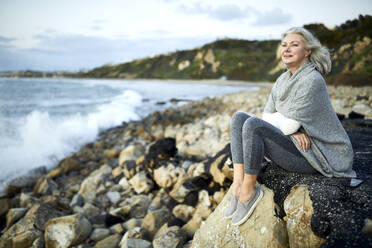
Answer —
83 34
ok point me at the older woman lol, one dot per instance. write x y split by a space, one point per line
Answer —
300 131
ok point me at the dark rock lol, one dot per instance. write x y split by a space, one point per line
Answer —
355 115
340 116
339 210
162 149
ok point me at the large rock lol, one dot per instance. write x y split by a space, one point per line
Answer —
340 211
111 241
299 210
67 231
262 229
30 227
26 181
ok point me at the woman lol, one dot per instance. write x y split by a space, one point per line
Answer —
300 130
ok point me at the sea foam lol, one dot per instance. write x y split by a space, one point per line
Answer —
43 139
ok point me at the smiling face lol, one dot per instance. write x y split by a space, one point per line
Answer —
293 51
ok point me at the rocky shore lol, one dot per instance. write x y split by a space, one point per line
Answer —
164 181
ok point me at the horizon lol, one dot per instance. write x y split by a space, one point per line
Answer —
39 37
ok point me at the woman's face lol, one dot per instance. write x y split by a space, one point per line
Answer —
293 51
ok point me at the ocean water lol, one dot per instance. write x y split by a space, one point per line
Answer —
45 120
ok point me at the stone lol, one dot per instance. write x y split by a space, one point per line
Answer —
131 152
141 183
36 218
99 234
162 200
200 215
67 165
299 210
90 210
154 220
4 206
133 243
27 200
130 168
124 183
172 237
185 190
26 181
132 223
111 241
183 212
114 197
203 198
161 150
111 153
267 229
367 228
136 233
77 200
45 186
26 239
67 231
117 228
13 215
117 172
88 188
166 176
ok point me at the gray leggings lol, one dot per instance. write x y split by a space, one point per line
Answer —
253 138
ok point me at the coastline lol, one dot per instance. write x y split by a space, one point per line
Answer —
133 171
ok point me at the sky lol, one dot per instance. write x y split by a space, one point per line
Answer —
73 35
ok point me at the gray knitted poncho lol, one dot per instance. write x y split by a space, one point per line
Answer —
304 97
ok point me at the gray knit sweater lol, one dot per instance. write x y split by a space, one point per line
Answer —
304 97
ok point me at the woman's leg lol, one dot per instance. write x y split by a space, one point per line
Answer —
236 125
260 139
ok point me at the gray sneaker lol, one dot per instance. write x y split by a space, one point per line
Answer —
245 209
230 209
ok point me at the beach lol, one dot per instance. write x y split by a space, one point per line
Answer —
150 182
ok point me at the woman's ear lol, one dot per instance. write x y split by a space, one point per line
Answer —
308 52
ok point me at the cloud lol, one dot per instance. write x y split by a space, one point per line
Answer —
223 12
6 40
74 52
272 17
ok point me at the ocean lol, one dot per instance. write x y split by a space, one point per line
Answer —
45 120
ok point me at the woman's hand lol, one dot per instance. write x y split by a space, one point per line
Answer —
302 139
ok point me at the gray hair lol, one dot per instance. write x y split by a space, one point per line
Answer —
319 56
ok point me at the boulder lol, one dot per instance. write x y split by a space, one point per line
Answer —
26 181
299 210
262 229
200 215
30 227
67 231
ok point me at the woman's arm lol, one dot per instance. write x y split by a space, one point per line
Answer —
286 125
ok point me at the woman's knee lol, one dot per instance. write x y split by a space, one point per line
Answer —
251 124
238 119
